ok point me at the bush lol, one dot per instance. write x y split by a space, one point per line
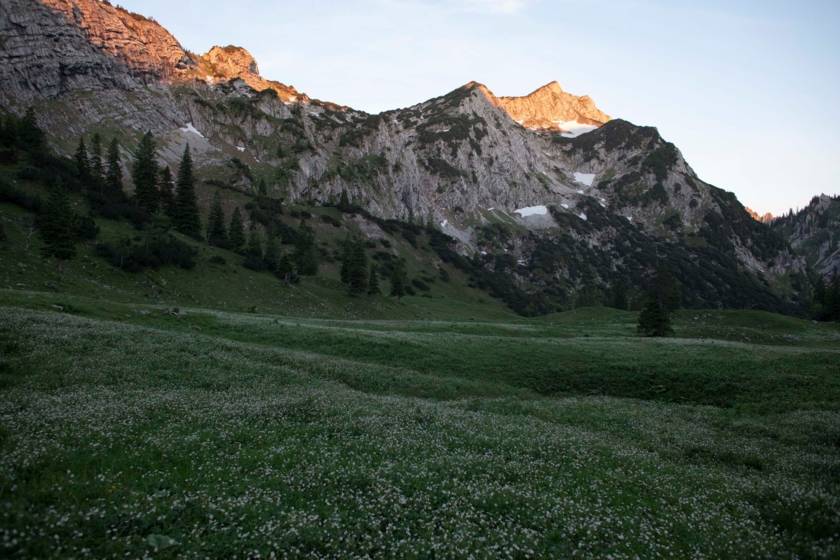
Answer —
153 252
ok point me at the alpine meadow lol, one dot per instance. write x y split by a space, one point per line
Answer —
237 321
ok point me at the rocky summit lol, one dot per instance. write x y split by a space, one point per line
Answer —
545 190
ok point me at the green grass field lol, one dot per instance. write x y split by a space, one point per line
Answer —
131 429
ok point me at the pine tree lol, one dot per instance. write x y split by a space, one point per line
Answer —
144 174
398 279
166 188
358 275
216 229
286 270
271 260
96 170
82 164
3 236
346 256
306 253
30 136
254 252
114 176
262 189
373 282
236 232
654 319
344 202
187 219
57 226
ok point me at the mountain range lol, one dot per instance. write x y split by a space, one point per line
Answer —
545 191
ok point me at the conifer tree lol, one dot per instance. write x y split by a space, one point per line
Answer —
262 189
166 188
344 202
216 228
655 317
373 281
57 226
82 164
398 279
253 251
358 274
187 219
96 170
306 253
30 136
271 260
346 255
286 270
144 174
3 236
114 176
236 232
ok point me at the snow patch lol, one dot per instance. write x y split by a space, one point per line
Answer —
190 128
564 205
585 178
573 129
582 216
532 211
444 223
241 148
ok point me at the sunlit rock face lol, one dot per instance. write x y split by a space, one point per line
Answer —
551 108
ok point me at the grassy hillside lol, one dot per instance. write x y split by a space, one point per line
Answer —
127 428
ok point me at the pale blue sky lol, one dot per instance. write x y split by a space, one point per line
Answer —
748 90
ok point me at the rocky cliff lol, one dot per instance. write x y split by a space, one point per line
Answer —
553 193
814 231
551 108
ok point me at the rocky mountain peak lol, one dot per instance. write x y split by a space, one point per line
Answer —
765 218
137 41
551 108
222 64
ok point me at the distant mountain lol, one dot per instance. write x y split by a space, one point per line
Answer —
546 192
814 232
765 218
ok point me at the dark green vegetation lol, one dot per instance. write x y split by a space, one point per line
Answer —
131 429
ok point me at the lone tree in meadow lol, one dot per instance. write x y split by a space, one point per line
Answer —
216 230
655 317
236 232
187 219
144 173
